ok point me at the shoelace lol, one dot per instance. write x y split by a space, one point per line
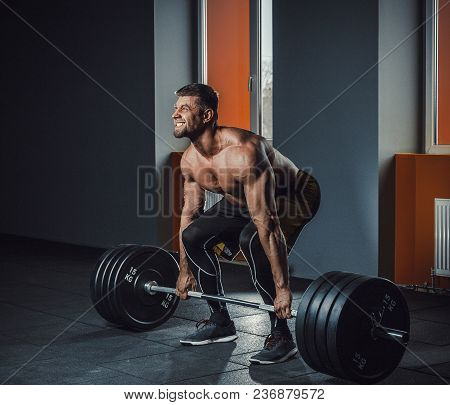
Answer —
272 340
203 323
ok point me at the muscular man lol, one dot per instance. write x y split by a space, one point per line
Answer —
267 201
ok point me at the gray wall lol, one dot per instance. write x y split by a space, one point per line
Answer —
175 66
400 106
318 52
69 152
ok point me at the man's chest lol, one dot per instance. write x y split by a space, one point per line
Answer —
217 180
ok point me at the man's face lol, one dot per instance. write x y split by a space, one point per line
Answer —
187 118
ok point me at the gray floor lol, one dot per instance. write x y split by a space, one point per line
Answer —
49 334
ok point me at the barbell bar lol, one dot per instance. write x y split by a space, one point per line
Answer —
347 325
378 330
152 288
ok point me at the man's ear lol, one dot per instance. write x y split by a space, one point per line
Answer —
208 115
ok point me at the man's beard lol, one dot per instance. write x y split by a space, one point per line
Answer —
180 134
189 133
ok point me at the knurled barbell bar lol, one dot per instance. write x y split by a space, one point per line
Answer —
151 287
347 325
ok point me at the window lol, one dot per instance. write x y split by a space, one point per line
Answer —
437 87
235 43
266 69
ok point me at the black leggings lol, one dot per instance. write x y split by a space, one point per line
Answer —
231 225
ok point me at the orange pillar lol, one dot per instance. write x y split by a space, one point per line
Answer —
228 59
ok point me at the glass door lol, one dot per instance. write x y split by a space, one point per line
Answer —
261 67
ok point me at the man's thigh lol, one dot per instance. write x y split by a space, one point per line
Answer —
295 211
223 223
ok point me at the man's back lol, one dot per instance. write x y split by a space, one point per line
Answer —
238 152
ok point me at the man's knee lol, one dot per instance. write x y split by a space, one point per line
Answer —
190 235
310 198
193 235
246 237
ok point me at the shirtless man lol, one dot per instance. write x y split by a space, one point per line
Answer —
267 201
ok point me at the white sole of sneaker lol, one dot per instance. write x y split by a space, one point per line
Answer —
224 339
292 353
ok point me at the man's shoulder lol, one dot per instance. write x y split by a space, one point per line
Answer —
243 146
238 134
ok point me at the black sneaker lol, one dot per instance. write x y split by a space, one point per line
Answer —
210 332
278 347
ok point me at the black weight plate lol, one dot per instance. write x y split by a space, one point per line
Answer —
110 282
310 323
122 254
322 322
100 279
302 310
98 268
140 310
97 274
94 273
352 349
101 308
334 324
96 281
176 255
113 281
107 260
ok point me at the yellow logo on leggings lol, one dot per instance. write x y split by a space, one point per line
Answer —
221 250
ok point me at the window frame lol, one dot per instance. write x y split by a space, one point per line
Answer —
255 74
431 77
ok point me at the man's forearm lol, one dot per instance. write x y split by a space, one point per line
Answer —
274 246
186 220
184 266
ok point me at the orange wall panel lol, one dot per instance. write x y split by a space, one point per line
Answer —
444 74
405 205
418 180
228 59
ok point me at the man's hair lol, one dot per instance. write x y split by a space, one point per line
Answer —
207 97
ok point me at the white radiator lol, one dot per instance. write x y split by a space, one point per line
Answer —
442 237
211 199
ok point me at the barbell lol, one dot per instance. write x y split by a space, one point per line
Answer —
347 325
